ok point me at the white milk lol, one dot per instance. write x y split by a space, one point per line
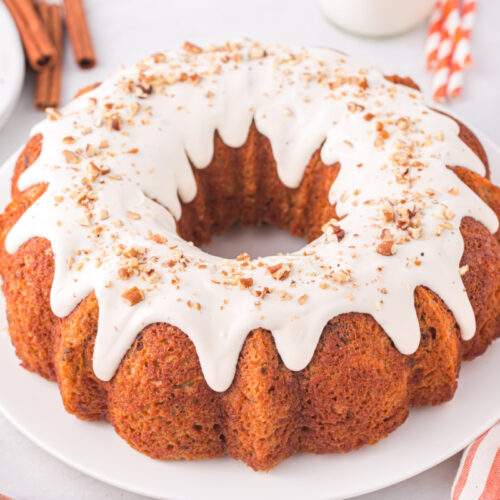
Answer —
376 17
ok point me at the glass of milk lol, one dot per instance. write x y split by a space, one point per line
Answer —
376 17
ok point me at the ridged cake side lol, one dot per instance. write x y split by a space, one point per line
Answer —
358 386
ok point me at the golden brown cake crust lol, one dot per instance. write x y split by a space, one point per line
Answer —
356 389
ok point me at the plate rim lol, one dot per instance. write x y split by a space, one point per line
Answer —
121 483
17 63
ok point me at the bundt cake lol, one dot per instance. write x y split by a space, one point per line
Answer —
190 355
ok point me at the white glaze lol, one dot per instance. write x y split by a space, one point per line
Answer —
292 98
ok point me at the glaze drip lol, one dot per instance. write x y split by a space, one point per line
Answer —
117 162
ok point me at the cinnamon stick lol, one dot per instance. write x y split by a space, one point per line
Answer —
48 80
39 49
79 34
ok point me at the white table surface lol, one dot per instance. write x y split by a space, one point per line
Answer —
126 30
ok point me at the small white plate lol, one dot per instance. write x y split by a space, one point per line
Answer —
429 436
11 64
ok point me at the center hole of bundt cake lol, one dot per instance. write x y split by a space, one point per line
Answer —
243 206
257 241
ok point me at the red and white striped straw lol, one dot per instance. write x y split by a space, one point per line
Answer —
462 53
450 29
462 57
434 35
440 80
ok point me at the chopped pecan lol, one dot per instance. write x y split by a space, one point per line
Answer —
280 271
133 295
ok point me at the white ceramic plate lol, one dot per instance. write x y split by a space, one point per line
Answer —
11 64
429 436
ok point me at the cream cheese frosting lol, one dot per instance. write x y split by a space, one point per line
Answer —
119 160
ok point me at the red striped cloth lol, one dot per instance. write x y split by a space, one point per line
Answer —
478 476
